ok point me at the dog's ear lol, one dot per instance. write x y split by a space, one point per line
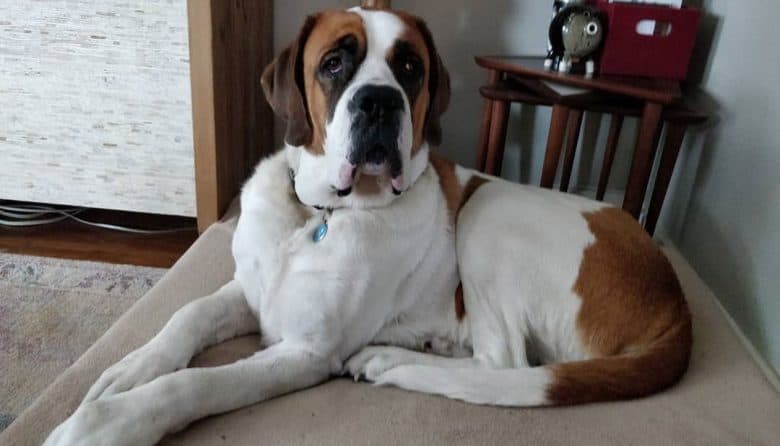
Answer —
438 88
285 90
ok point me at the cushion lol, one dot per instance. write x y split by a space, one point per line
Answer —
723 399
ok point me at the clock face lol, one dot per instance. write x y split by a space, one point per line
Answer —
582 34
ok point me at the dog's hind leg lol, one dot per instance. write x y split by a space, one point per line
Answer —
142 416
199 324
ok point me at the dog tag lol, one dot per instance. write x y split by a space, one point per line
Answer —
320 232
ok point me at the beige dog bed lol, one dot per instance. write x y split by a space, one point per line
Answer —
723 399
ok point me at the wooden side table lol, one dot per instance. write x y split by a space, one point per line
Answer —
654 101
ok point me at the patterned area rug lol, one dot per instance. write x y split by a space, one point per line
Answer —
51 311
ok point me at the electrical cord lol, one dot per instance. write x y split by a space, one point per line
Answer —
29 215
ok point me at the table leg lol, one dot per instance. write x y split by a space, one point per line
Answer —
573 137
497 143
643 159
560 116
674 138
615 127
484 132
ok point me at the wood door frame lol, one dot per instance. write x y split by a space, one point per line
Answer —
231 42
379 4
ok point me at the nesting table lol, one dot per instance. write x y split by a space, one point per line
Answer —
523 79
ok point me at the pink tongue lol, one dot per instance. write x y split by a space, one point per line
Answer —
398 183
346 176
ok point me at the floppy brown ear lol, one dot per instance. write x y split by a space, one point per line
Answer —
438 88
284 89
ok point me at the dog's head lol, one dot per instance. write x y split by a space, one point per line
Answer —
361 92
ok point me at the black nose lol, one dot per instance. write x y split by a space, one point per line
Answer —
378 102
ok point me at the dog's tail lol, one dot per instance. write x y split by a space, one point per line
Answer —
634 374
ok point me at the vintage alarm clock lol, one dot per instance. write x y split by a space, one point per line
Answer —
576 33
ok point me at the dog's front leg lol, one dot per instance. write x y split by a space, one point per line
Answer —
142 416
199 324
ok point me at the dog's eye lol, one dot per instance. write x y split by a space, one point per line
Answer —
409 66
333 65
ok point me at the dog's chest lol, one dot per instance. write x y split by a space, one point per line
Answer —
370 268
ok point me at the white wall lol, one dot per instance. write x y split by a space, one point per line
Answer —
463 29
731 230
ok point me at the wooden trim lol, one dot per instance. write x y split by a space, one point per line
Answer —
72 240
231 42
379 4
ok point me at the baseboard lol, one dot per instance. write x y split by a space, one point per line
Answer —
766 368
72 240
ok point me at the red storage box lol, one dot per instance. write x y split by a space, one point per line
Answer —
666 54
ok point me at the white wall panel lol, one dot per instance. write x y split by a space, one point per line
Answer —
95 104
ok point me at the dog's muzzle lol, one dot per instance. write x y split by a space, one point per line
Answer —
376 123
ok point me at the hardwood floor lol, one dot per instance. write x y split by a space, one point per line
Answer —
72 240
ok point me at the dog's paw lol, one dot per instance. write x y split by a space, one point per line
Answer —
373 361
102 423
136 369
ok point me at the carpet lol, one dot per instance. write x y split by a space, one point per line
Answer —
51 311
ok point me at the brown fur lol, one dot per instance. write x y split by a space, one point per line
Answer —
634 319
456 196
437 80
283 87
419 108
331 26
474 183
452 189
455 193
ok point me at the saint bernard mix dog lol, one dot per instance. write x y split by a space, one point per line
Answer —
360 252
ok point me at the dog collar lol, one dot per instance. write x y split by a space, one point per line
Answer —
322 229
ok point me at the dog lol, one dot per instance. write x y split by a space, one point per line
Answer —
359 251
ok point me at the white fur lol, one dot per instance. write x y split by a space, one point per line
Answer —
386 273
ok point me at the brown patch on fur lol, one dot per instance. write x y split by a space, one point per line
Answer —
413 36
634 319
438 83
434 98
455 193
474 183
282 83
452 189
331 26
460 305
456 196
